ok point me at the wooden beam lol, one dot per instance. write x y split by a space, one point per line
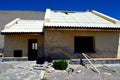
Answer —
101 64
91 63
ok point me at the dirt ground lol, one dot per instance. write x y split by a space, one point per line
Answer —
17 70
83 73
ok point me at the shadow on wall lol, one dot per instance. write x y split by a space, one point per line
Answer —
58 56
60 53
41 51
67 53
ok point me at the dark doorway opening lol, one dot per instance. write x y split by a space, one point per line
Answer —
32 49
84 44
17 53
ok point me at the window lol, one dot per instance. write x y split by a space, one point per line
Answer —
84 44
34 46
17 53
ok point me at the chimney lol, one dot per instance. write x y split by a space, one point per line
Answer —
47 15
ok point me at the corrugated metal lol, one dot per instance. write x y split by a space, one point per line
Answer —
26 26
78 19
88 25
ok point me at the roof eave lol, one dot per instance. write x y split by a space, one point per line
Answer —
82 27
3 33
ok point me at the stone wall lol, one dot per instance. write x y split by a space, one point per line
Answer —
60 43
20 42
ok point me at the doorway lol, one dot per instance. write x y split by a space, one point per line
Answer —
32 49
84 44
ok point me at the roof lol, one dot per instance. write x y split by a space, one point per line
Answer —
86 19
7 16
24 26
63 19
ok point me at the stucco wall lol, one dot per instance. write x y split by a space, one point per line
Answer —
118 54
59 41
20 42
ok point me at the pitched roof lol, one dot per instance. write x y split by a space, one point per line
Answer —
24 26
65 19
86 19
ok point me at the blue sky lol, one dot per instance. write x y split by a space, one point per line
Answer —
109 7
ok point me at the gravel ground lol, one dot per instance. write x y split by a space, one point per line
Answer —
82 73
21 70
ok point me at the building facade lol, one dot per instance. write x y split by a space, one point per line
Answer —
63 34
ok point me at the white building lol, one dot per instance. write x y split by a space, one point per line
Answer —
63 34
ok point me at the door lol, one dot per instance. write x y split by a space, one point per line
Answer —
32 49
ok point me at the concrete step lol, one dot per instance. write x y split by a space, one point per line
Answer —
111 61
14 59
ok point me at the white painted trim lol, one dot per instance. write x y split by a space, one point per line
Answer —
113 20
12 22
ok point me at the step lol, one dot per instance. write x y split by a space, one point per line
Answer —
14 59
106 61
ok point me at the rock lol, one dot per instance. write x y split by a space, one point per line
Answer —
78 71
107 73
42 74
31 69
39 68
51 69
